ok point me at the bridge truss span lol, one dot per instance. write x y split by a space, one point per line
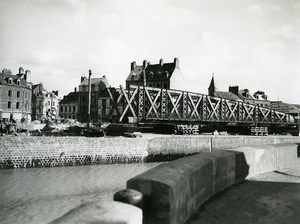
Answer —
156 104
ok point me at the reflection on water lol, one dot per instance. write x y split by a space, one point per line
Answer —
43 194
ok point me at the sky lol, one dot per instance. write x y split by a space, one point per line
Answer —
254 44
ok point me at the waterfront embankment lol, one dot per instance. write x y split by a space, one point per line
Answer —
25 151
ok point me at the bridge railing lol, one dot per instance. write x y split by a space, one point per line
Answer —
156 104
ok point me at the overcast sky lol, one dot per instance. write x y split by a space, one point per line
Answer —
254 44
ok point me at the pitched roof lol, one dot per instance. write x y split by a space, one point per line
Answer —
94 81
38 88
155 69
70 98
227 95
4 79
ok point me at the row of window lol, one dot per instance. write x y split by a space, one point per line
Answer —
48 103
10 81
68 116
26 95
66 109
9 105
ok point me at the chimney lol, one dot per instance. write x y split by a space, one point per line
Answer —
161 62
75 89
234 90
176 62
21 70
41 87
133 66
27 75
145 64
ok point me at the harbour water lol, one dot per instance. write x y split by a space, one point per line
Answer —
40 195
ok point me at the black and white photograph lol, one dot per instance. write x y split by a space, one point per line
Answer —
149 111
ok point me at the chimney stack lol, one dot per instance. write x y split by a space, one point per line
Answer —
161 62
75 89
21 70
133 66
234 90
27 75
176 62
145 64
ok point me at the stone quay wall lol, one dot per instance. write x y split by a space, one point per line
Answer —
171 192
24 151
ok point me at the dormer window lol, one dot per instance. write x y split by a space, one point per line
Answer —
18 82
10 81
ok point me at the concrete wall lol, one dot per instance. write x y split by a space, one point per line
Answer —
173 191
19 152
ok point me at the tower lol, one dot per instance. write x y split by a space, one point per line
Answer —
212 88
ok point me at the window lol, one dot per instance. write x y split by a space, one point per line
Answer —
9 104
157 85
9 93
66 108
17 105
165 86
9 81
18 82
18 94
70 108
74 109
48 103
61 109
53 103
73 116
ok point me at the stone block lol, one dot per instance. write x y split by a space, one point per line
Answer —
102 212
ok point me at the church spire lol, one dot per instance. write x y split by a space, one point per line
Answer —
212 88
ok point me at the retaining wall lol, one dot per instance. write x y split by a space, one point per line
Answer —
24 151
173 191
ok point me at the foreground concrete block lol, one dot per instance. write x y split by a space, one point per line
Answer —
173 191
102 213
223 168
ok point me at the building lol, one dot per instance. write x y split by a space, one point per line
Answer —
230 95
161 75
259 98
15 95
69 106
292 109
75 104
44 103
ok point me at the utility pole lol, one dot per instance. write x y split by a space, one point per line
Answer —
89 101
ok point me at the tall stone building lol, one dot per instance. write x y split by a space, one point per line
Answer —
44 103
161 75
15 95
75 104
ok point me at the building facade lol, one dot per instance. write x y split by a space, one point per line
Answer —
259 98
75 104
15 96
69 106
45 104
161 75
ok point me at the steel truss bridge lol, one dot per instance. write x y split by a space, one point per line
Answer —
147 104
